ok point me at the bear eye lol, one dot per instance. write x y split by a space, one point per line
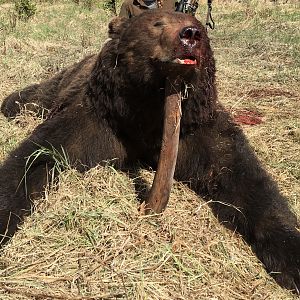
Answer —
159 24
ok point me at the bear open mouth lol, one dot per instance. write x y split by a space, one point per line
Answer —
189 60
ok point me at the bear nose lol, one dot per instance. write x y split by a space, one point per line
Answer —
190 33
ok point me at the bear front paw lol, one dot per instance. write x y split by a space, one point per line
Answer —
280 253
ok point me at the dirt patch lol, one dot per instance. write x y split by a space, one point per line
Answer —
269 92
247 117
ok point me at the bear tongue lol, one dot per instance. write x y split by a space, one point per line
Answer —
185 61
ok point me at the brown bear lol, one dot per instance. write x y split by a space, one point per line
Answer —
111 106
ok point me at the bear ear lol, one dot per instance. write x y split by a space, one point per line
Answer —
115 27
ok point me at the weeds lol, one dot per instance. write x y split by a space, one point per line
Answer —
110 5
58 161
25 9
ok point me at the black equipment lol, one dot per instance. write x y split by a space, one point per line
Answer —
187 6
190 7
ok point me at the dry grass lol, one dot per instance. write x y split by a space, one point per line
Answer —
86 240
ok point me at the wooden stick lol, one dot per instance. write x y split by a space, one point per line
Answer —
162 183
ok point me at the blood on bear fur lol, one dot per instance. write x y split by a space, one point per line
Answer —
111 106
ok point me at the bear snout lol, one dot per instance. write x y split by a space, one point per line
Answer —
189 36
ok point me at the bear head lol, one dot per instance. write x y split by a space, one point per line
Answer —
158 44
129 78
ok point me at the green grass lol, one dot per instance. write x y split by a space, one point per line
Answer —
266 37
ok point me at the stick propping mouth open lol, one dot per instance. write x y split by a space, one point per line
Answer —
163 180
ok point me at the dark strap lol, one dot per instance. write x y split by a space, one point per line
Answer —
209 20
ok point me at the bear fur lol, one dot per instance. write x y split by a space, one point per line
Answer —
111 106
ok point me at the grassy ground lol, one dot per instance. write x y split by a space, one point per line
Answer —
86 240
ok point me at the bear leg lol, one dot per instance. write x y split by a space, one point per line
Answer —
219 164
15 102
